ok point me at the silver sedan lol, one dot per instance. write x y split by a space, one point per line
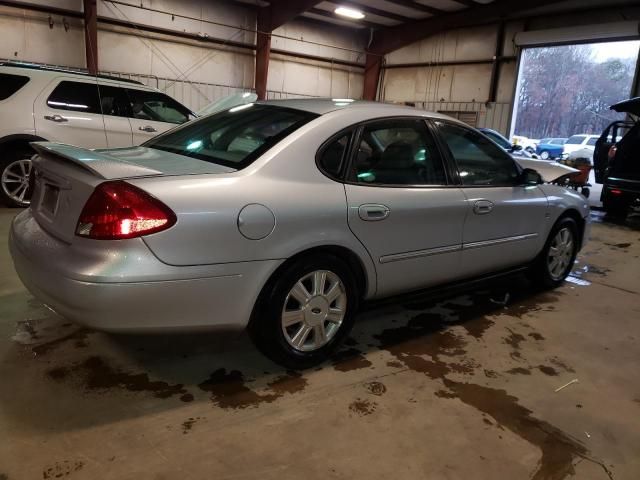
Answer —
284 216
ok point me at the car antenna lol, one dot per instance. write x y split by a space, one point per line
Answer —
95 62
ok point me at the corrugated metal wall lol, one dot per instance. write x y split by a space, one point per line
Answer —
492 115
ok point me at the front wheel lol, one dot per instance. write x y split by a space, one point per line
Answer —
306 312
556 260
15 169
544 155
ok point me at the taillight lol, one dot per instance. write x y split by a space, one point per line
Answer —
612 152
118 210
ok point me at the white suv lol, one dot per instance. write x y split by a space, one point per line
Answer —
45 104
580 142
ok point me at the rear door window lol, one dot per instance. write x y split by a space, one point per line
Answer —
156 106
10 84
592 141
89 98
398 152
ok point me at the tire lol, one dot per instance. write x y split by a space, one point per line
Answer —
290 346
544 155
14 177
543 272
615 208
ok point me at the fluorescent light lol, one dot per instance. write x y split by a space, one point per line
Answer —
347 100
349 12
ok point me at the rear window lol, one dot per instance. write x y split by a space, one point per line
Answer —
10 84
233 138
576 140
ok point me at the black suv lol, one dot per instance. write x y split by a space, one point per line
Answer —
616 160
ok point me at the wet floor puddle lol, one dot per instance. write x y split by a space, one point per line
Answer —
426 345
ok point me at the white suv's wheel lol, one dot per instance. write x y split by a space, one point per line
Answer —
14 180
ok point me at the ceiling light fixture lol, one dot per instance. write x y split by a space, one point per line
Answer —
349 12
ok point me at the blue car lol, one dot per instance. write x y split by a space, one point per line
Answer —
550 148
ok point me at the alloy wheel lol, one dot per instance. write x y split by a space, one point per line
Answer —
560 253
314 310
15 180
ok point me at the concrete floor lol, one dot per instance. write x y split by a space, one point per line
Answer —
462 388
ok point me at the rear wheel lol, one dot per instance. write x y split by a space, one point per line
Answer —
556 260
15 169
305 313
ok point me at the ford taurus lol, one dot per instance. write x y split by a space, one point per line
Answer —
283 216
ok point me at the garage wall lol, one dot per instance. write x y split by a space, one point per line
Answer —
195 72
290 77
455 74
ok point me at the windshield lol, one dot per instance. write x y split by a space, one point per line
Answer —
233 138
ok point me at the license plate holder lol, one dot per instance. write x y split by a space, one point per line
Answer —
50 199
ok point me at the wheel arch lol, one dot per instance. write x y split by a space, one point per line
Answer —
20 139
574 214
355 263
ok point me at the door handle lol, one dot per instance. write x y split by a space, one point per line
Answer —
56 118
147 128
482 207
373 212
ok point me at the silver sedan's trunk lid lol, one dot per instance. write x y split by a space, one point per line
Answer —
65 177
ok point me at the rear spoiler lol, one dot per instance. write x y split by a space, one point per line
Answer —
99 164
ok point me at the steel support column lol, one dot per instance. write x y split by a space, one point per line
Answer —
373 65
91 35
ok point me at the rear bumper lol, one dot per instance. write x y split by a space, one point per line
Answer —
124 287
625 190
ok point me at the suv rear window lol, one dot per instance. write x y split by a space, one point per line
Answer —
10 84
233 138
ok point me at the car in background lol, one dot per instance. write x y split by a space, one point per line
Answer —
38 103
551 148
526 143
506 145
617 160
283 216
578 142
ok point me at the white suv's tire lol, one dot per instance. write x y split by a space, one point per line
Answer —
15 169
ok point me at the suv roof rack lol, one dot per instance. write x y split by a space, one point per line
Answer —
36 66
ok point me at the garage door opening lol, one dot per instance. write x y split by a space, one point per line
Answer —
565 91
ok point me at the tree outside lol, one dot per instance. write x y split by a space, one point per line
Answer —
567 90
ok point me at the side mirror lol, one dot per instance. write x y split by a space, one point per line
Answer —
529 176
